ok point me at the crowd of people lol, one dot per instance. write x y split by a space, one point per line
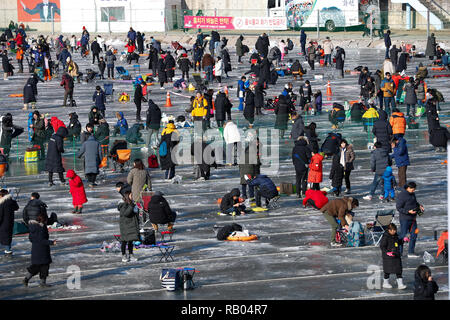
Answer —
379 93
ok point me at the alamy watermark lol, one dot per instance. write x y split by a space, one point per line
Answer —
74 279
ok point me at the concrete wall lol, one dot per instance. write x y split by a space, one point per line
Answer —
397 18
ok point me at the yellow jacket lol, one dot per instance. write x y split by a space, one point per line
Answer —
371 113
199 106
169 129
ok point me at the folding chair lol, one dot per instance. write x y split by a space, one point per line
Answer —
109 90
123 73
273 203
382 219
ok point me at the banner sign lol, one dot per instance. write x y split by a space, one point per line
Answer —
235 23
38 10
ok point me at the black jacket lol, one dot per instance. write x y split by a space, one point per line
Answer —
337 170
432 115
282 110
391 244
185 64
159 209
7 207
32 210
53 162
406 201
424 290
95 47
74 127
153 118
382 130
102 134
40 243
162 74
259 95
94 117
249 109
301 155
331 143
439 137
224 232
138 94
222 105
228 201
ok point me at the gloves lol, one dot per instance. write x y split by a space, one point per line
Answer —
390 254
406 239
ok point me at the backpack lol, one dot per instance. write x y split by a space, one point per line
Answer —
163 149
171 279
148 237
153 161
356 237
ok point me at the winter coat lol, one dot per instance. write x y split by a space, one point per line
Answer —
92 152
327 47
266 186
38 131
282 113
298 128
424 289
76 189
95 47
185 64
170 65
388 88
398 123
401 65
357 111
340 58
153 116
382 130
29 92
109 59
406 201
401 154
301 155
439 137
128 222
231 133
264 73
393 54
311 53
251 166
228 201
331 143
94 117
8 132
262 45
388 67
33 208
349 157
338 208
337 171
40 243
74 127
219 69
222 104
122 124
99 98
102 134
379 160
259 95
388 180
6 64
315 174
432 115
53 163
318 197
430 50
249 109
392 244
411 97
207 61
274 54
162 74
159 210
7 207
387 40
138 95
67 82
138 179
239 47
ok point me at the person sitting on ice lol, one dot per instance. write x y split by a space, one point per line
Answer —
231 204
121 126
264 187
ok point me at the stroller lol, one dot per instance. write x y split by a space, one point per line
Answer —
109 90
201 85
91 75
124 74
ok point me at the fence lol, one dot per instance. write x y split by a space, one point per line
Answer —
162 20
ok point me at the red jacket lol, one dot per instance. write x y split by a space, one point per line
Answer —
317 196
19 39
76 188
56 124
131 48
315 169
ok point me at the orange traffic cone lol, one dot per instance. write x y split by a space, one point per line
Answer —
168 102
226 90
329 92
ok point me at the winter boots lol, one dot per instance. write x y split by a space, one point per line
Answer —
400 284
387 285
42 283
129 258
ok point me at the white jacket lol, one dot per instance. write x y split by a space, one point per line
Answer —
231 133
388 67
219 69
327 47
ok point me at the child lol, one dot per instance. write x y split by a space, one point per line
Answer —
370 116
424 286
389 184
122 125
102 67
231 204
40 250
317 103
305 95
392 261
315 170
77 191
129 225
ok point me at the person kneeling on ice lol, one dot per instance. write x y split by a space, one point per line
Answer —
77 191
315 198
231 203
40 250
337 209
264 187
392 258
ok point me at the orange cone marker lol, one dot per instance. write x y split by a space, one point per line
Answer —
168 102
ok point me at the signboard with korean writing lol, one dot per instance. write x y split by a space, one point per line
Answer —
238 23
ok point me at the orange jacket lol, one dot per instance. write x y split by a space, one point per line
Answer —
398 123
315 173
19 54
441 242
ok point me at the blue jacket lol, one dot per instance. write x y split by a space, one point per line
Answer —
30 122
100 99
389 179
401 154
132 35
64 55
406 201
266 186
122 124
84 40
302 37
